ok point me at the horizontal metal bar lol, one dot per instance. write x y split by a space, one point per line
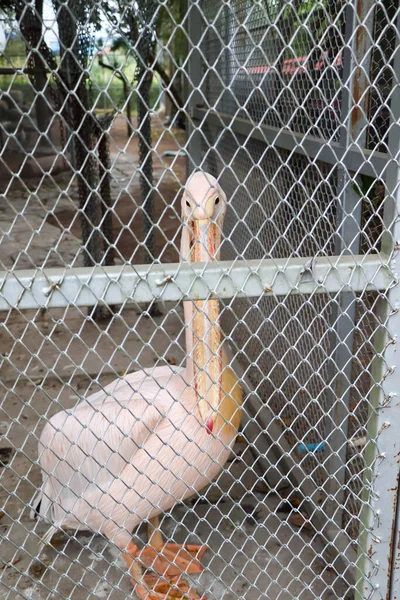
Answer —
19 71
53 288
355 159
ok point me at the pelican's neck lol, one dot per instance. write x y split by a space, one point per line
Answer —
207 351
202 327
188 312
187 307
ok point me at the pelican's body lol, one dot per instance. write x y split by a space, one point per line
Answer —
142 447
152 438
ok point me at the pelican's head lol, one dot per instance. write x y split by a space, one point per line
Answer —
203 211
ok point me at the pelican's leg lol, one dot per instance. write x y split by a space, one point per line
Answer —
168 588
156 587
170 559
135 570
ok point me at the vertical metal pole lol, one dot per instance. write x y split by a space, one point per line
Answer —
195 75
395 579
227 75
354 118
378 518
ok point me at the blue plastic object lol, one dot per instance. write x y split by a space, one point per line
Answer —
320 447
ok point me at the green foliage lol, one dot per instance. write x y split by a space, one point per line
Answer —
167 30
7 7
310 24
364 187
14 56
120 44
299 27
103 76
106 87
14 53
108 99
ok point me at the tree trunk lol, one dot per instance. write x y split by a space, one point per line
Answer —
171 89
105 193
81 124
31 26
146 163
129 126
125 84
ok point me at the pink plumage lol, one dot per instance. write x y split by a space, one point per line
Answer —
152 438
132 451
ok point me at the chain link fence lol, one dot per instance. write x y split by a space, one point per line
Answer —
106 108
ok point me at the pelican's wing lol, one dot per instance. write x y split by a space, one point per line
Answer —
84 449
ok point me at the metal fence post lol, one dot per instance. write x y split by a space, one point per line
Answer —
379 516
395 580
354 119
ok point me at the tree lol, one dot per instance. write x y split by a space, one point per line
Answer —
70 93
135 24
73 23
30 19
119 74
143 38
170 16
171 89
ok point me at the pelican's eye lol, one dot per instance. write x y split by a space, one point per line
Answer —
188 203
216 200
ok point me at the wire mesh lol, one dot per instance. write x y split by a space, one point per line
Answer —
292 354
292 107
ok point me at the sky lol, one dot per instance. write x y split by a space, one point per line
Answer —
51 35
48 20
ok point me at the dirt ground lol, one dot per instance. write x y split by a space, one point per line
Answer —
51 359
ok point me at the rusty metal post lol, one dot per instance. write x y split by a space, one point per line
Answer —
378 556
354 117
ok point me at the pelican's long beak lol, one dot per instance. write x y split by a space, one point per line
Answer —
207 236
207 360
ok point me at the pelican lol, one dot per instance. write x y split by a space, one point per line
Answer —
152 438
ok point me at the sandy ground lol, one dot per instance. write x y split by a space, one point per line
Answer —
259 547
